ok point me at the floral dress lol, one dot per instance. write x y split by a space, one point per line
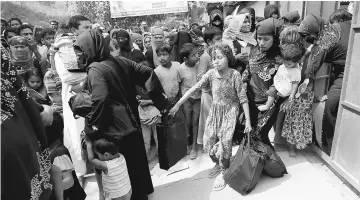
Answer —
220 124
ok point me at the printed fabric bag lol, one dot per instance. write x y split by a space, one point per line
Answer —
246 167
173 141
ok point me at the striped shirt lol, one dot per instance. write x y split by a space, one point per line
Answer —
116 182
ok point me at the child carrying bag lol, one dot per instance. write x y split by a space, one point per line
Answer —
173 141
246 168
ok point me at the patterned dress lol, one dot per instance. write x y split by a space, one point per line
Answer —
220 125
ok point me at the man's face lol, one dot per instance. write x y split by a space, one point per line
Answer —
54 25
10 35
158 40
83 26
48 40
15 24
143 24
27 33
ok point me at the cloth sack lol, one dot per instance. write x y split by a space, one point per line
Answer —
173 141
245 169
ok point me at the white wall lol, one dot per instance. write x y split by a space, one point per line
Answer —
259 8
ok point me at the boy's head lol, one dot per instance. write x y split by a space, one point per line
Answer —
26 31
340 15
188 54
163 52
105 149
15 22
47 36
54 24
212 35
10 32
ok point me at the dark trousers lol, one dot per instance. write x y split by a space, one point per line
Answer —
330 112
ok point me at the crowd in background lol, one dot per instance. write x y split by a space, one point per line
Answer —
240 74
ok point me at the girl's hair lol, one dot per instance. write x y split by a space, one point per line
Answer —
105 146
32 72
227 51
291 44
55 130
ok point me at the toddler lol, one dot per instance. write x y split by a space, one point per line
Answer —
60 157
115 177
288 76
187 75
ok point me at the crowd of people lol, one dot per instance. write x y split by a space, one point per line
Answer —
245 74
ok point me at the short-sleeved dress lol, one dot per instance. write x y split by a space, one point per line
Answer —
220 124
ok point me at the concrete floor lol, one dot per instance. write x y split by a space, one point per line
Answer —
308 179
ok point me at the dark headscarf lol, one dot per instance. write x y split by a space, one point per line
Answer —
251 11
181 38
270 10
92 44
312 24
291 18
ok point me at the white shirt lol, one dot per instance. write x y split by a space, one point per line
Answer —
283 78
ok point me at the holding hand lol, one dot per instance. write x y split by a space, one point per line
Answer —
174 110
242 56
248 127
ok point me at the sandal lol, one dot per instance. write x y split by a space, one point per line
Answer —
193 154
215 171
219 183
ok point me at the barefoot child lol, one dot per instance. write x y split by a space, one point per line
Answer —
187 76
297 127
226 84
115 177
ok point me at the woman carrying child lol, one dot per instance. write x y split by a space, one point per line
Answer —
226 86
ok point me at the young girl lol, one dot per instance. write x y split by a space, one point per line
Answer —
115 177
297 127
288 76
60 157
226 85
37 90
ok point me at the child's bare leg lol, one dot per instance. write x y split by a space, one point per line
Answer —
126 196
292 151
268 104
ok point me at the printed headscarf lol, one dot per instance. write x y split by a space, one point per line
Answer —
92 44
250 11
21 58
327 34
270 10
226 50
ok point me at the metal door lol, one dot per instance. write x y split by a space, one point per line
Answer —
345 153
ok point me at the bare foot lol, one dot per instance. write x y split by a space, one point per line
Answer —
292 152
263 107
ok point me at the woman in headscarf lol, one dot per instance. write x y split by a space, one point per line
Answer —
127 49
330 46
25 162
21 55
258 77
146 41
138 40
291 18
177 40
108 77
271 11
65 61
252 19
